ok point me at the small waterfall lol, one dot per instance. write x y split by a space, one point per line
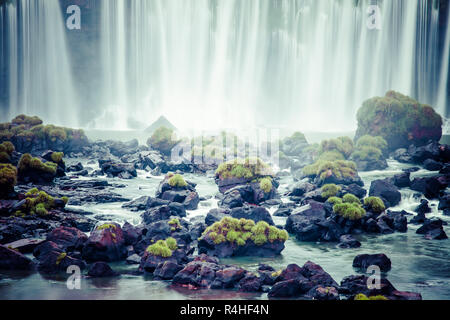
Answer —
39 67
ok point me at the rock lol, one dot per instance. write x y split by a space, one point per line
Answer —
67 238
402 180
117 169
134 259
101 270
227 249
166 270
131 234
432 165
254 213
301 187
386 191
139 204
232 199
13 260
106 243
423 208
444 202
402 155
348 241
323 293
433 230
363 261
404 295
355 284
75 168
285 289
197 274
356 190
431 151
283 212
400 222
228 277
215 215
24 245
52 260
164 212
250 283
429 186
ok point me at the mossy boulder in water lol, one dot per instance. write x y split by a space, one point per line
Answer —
29 134
31 169
106 243
8 179
400 120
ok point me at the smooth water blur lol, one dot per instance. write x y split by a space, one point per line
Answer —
417 264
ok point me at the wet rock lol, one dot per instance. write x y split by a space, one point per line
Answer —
323 293
356 190
67 238
348 241
400 222
215 215
355 284
166 270
432 165
198 274
101 270
117 169
131 234
301 187
386 191
232 199
423 208
364 261
429 186
54 260
134 259
139 204
228 277
24 245
254 213
75 167
433 230
404 295
11 259
106 243
444 202
164 212
402 180
250 283
285 289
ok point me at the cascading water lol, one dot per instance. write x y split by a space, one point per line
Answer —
40 76
303 64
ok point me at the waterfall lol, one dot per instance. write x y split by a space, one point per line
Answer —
39 67
301 64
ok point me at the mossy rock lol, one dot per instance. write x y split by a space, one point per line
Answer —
163 140
8 179
40 203
400 120
237 237
333 172
32 169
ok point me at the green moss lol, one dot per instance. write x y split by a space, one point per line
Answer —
250 168
60 258
177 181
174 224
377 142
323 169
342 145
8 178
38 202
160 249
363 297
266 185
57 157
6 150
351 211
367 153
330 190
240 231
65 199
26 120
106 226
350 198
27 162
172 243
40 209
375 204
163 140
334 200
331 156
399 119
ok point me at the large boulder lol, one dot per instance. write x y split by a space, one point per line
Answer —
106 243
400 120
385 190
13 260
430 186
363 261
255 213
101 270
67 238
117 169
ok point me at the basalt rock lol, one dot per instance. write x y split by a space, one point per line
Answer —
364 261
386 191
105 244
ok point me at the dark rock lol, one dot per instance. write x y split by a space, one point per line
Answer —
423 208
364 261
355 284
301 187
117 169
285 289
386 191
101 270
444 202
356 190
13 260
402 180
67 238
24 245
198 274
348 241
164 212
432 165
228 277
131 234
56 261
323 293
250 283
433 230
134 259
166 270
105 245
215 215
429 186
400 222
252 212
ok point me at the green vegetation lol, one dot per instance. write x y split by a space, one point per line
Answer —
369 148
350 198
60 258
28 162
250 168
57 157
163 248
8 178
399 119
177 181
106 226
163 140
174 224
266 185
6 150
362 296
324 169
377 142
240 231
26 120
39 203
351 211
334 200
342 145
375 204
330 190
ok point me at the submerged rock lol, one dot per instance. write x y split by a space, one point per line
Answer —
364 261
101 270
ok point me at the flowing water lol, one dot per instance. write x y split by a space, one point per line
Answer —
208 63
417 264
